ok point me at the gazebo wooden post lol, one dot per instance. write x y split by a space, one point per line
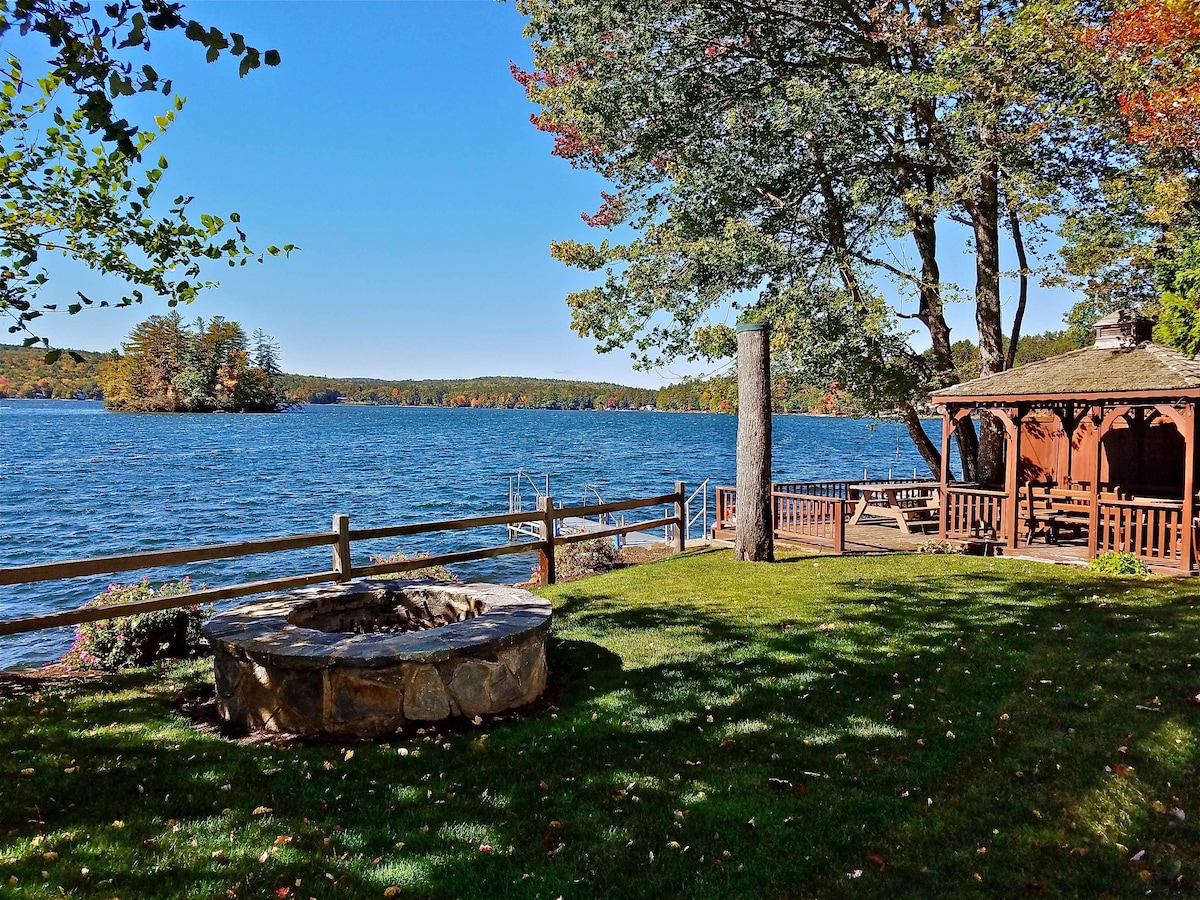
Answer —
1013 480
1189 488
1011 419
1185 423
1094 486
948 424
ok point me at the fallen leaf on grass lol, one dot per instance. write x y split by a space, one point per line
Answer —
878 861
261 810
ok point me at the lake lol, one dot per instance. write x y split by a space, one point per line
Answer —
78 481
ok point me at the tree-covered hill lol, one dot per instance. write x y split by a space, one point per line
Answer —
25 373
502 392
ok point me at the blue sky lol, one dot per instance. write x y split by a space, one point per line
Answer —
394 148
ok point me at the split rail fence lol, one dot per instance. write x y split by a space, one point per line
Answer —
342 569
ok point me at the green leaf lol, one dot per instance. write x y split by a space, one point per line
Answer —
271 57
52 357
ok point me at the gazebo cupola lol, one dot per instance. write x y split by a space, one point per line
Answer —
1100 448
1124 329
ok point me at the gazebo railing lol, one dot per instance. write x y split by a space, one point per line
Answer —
973 512
1150 529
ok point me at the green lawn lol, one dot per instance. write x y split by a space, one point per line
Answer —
891 727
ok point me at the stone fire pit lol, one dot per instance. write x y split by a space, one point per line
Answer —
362 658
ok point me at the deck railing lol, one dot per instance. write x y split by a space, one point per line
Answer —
810 519
342 569
811 513
974 513
1149 529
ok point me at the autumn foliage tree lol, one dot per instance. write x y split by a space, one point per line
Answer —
1154 47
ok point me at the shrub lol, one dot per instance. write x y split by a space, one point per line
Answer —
134 641
1116 563
936 546
585 558
434 573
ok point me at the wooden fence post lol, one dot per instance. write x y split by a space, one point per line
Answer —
341 550
839 526
546 526
681 513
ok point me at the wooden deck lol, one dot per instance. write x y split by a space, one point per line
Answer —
873 538
634 539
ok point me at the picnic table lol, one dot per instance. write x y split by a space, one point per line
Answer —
907 502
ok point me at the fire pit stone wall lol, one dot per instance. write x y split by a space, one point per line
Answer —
362 658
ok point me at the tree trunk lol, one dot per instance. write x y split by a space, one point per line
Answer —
932 315
1023 297
925 446
754 532
985 220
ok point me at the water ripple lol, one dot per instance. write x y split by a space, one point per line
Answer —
77 481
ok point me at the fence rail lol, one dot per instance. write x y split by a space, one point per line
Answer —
343 569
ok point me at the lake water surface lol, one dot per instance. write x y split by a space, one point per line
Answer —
77 481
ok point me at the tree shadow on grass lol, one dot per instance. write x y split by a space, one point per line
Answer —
923 733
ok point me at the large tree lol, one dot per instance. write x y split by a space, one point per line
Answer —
74 181
775 155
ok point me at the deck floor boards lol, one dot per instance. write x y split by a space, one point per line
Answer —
879 537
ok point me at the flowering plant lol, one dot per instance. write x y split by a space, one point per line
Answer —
137 640
585 558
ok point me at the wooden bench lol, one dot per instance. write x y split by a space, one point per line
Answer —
1049 510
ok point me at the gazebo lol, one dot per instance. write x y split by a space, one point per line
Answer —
1100 451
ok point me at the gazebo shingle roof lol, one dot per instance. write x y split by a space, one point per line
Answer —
1146 367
